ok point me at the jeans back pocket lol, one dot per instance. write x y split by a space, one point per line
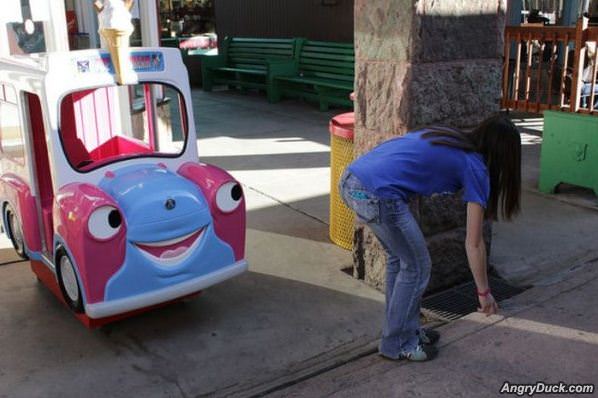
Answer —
365 204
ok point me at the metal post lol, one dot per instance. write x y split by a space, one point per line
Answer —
148 13
58 34
578 62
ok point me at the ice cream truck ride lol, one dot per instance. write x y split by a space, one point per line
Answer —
100 184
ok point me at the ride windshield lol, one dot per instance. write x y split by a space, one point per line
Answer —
108 124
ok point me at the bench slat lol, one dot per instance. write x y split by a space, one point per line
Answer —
257 46
267 41
243 70
344 74
319 82
327 63
328 44
334 57
342 69
327 69
329 50
259 64
333 76
314 62
247 66
259 53
249 61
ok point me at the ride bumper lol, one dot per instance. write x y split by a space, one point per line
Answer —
147 299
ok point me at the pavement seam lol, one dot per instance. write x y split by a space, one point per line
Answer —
315 373
14 262
460 338
519 311
286 205
555 197
285 381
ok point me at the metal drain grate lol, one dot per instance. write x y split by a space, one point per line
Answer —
461 300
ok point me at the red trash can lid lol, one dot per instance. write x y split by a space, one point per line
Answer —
343 125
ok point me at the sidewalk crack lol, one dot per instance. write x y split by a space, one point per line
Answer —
286 205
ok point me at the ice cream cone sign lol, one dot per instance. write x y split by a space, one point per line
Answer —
115 29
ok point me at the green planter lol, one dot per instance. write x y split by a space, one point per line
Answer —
569 151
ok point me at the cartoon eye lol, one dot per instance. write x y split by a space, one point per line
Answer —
104 222
229 196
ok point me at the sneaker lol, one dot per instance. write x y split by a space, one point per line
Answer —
421 353
428 336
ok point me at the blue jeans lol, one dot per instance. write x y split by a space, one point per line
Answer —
408 262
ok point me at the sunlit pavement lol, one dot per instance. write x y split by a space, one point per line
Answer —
554 234
547 335
295 325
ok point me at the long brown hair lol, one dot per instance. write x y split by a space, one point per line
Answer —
499 142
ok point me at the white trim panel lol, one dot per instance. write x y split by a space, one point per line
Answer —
120 306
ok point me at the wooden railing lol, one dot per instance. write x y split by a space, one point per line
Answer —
544 65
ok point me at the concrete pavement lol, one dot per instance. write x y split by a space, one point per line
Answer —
295 324
293 313
545 334
553 233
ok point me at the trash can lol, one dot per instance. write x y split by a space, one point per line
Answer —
341 154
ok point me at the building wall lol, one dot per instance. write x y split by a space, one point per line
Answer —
312 19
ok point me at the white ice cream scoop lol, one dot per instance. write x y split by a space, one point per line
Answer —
115 31
115 15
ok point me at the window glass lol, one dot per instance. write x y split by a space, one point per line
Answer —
114 123
11 132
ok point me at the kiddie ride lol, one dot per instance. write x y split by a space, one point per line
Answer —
100 186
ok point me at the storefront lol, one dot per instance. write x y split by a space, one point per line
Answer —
186 18
550 12
82 24
170 23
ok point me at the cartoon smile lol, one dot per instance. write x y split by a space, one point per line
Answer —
173 251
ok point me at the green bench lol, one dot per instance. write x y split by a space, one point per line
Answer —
323 72
245 62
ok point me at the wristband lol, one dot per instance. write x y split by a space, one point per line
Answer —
484 293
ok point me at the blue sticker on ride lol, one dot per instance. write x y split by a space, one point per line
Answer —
146 61
142 61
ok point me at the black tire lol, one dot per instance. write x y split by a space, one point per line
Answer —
15 232
68 282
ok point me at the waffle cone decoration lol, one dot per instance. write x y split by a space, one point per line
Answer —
114 19
118 45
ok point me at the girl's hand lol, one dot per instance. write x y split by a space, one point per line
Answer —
488 305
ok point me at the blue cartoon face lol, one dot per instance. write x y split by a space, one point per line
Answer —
170 233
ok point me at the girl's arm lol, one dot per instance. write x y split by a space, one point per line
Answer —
476 256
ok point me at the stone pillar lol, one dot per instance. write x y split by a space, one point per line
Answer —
419 63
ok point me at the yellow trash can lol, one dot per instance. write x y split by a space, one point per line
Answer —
341 155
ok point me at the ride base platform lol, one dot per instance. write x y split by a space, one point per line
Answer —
47 277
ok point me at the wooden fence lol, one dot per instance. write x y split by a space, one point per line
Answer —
544 68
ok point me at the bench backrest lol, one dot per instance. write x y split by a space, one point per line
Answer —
328 60
249 53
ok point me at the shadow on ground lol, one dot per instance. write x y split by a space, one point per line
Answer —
243 332
294 311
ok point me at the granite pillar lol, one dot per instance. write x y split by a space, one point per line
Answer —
420 63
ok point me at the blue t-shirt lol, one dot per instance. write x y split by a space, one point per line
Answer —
409 165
